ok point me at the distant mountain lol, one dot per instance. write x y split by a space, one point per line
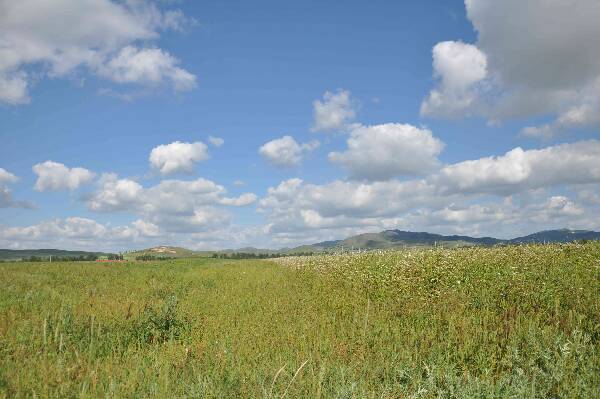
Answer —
16 254
387 239
562 235
166 251
247 250
395 239
399 239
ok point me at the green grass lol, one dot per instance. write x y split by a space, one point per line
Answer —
474 322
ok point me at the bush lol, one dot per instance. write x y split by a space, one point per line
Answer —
158 326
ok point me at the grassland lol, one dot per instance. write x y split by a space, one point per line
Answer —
474 322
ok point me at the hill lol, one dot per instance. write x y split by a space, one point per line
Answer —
166 252
387 239
399 239
395 238
16 254
562 235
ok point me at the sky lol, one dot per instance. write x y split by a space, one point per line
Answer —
225 124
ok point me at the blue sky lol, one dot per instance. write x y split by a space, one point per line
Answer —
335 118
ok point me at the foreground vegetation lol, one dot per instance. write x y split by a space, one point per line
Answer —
499 322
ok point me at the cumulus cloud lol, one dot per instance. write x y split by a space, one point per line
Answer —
174 205
7 200
285 151
515 193
13 88
334 112
519 170
505 73
55 39
114 194
150 67
77 233
582 112
381 152
557 52
6 176
294 204
88 234
146 229
216 141
504 196
460 67
242 200
177 157
54 176
6 197
298 212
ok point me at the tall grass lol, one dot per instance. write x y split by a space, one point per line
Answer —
498 322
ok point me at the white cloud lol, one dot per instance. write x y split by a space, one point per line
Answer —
557 52
58 38
519 170
509 195
6 197
505 196
543 132
54 176
459 67
146 229
555 61
285 151
173 205
216 141
7 200
583 111
563 206
177 157
242 200
7 177
461 215
334 112
381 152
295 205
77 233
150 66
13 88
299 212
115 194
87 234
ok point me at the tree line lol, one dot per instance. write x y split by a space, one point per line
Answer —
71 258
245 255
81 258
151 257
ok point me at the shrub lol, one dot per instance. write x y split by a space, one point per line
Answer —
162 325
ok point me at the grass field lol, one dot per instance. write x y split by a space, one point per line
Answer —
499 322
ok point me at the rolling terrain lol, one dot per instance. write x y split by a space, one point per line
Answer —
513 321
16 254
164 251
388 239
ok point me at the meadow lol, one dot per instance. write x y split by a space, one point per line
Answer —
515 321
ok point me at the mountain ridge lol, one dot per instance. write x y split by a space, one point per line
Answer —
16 254
390 239
386 239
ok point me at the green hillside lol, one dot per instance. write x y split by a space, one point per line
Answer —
562 235
390 239
17 254
167 252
